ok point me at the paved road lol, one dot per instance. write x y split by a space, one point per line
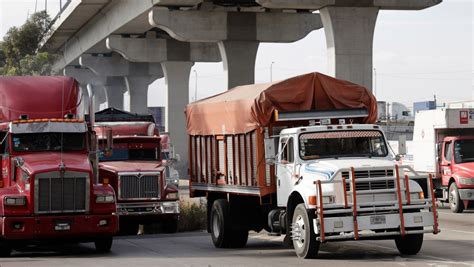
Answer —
453 247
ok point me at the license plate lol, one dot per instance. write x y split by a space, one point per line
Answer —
377 219
62 227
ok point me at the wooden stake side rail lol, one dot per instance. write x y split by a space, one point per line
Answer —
233 159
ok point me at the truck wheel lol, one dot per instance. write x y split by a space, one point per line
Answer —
220 224
128 228
302 232
170 226
239 238
5 250
103 244
455 203
410 244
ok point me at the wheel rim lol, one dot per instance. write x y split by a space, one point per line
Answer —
452 197
215 225
298 233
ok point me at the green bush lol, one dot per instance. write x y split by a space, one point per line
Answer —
192 216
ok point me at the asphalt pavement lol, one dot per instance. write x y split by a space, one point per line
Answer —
454 246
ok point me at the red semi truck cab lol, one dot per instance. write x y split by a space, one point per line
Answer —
136 171
48 190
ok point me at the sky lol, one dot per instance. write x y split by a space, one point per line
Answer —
417 54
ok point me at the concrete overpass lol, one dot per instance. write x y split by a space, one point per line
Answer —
125 45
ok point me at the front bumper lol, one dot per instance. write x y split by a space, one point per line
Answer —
81 227
157 209
375 225
466 194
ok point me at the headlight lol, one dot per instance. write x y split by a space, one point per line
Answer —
329 199
466 181
105 199
14 201
172 195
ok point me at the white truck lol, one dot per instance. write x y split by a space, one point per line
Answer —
265 161
443 145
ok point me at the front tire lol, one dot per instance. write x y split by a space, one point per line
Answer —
170 226
5 250
302 232
104 244
455 203
410 244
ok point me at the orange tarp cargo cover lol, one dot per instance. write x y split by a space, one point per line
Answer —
246 108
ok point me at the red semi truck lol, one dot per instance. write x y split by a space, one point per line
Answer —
136 171
48 188
444 146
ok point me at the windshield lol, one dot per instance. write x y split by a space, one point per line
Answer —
34 142
342 144
464 151
120 154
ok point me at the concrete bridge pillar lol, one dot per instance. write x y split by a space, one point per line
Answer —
177 76
238 34
239 61
349 28
131 76
91 85
115 88
349 38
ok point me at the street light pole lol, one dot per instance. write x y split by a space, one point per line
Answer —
195 84
271 71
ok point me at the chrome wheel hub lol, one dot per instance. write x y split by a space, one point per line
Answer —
298 233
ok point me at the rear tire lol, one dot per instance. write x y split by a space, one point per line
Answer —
220 224
455 202
239 238
104 244
410 244
302 230
5 250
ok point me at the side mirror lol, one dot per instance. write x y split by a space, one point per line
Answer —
269 151
110 143
398 157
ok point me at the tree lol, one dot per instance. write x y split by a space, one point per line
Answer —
18 50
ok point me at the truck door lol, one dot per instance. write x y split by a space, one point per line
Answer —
445 163
5 162
285 170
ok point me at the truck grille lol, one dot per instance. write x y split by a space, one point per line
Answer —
55 193
139 186
371 185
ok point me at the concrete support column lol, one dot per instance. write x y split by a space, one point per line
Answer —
114 96
115 88
137 87
97 95
239 61
349 37
177 80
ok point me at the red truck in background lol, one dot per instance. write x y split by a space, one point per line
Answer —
136 171
443 143
48 187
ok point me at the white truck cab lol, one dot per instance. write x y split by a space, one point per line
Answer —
346 186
